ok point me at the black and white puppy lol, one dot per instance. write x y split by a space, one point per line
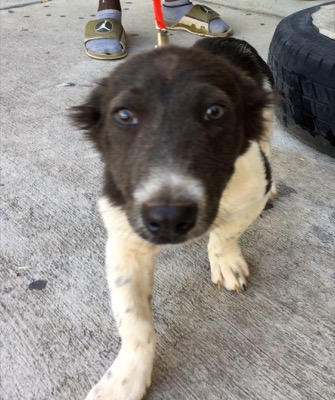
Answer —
184 135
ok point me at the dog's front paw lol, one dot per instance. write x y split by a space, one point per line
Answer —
127 379
229 270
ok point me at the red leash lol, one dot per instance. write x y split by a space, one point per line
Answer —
158 12
162 35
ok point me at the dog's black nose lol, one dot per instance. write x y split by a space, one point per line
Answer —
169 224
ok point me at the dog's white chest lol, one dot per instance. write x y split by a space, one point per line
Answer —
246 187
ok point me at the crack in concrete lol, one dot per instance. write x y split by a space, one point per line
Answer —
20 5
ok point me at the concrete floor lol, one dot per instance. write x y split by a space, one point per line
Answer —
280 8
276 341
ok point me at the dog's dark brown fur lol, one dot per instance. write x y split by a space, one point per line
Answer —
169 91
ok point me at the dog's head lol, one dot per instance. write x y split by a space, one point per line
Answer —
170 125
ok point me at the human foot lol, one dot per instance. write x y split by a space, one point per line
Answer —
197 19
105 36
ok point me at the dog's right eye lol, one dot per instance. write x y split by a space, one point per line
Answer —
123 116
214 112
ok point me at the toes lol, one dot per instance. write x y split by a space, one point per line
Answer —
104 46
217 25
232 275
234 281
216 275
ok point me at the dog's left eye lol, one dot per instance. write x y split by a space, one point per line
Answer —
124 116
214 112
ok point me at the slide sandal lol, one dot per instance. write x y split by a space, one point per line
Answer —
197 21
105 28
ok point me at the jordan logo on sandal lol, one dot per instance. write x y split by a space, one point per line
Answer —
103 26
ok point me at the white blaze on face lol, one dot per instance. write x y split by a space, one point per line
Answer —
166 185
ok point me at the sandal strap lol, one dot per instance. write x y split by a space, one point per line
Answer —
104 28
201 13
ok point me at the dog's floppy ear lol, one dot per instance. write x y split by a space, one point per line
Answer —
256 101
87 116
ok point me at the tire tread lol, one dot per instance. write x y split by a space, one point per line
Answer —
303 64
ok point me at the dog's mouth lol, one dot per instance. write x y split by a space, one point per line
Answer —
161 240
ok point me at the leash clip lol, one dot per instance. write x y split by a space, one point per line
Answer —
162 37
162 32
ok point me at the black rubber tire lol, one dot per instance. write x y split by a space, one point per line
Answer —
303 64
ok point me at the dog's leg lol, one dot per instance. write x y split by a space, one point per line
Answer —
130 272
228 266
